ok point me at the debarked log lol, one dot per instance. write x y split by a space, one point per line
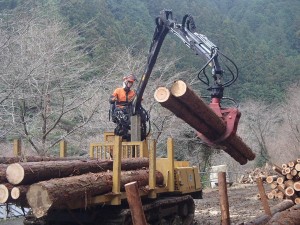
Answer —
56 193
32 172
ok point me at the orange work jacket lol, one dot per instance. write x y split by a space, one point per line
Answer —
123 97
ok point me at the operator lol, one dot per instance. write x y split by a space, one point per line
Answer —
120 102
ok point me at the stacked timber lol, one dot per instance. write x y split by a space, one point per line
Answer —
250 176
189 107
48 185
287 184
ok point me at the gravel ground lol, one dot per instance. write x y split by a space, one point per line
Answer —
243 205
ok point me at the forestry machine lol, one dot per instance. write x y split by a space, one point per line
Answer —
201 46
164 202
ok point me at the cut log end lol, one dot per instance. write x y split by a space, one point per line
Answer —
178 88
15 193
4 193
39 200
15 173
161 94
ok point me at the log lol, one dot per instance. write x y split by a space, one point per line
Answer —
263 196
279 195
280 180
289 183
297 166
190 99
289 176
32 172
167 100
273 185
3 173
262 220
10 160
287 170
135 204
294 172
283 166
277 169
270 179
18 195
297 186
56 193
225 217
195 104
5 192
292 163
290 216
270 195
297 200
289 191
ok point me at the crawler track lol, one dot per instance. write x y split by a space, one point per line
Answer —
167 210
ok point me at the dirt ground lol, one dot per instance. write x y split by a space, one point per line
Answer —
243 205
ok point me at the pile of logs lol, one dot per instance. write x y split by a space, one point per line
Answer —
287 184
189 107
48 185
250 176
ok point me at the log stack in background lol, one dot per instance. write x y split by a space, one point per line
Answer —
61 182
287 184
189 107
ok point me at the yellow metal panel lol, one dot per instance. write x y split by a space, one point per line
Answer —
170 149
182 163
17 147
117 171
62 149
197 178
186 179
152 169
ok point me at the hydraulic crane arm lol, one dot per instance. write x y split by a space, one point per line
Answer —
199 43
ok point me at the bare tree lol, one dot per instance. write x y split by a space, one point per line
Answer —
258 125
47 87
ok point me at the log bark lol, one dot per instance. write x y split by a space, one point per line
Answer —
235 147
263 196
290 217
3 168
194 103
56 193
10 160
167 100
225 217
262 220
277 169
135 204
31 172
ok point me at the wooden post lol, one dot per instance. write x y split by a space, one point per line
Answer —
17 147
62 149
170 149
135 204
225 217
263 196
152 168
117 171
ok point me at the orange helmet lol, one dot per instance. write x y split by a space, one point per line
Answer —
130 78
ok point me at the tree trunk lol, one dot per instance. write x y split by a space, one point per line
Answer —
18 195
290 216
31 172
56 193
10 160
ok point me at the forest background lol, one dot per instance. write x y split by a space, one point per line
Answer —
61 60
